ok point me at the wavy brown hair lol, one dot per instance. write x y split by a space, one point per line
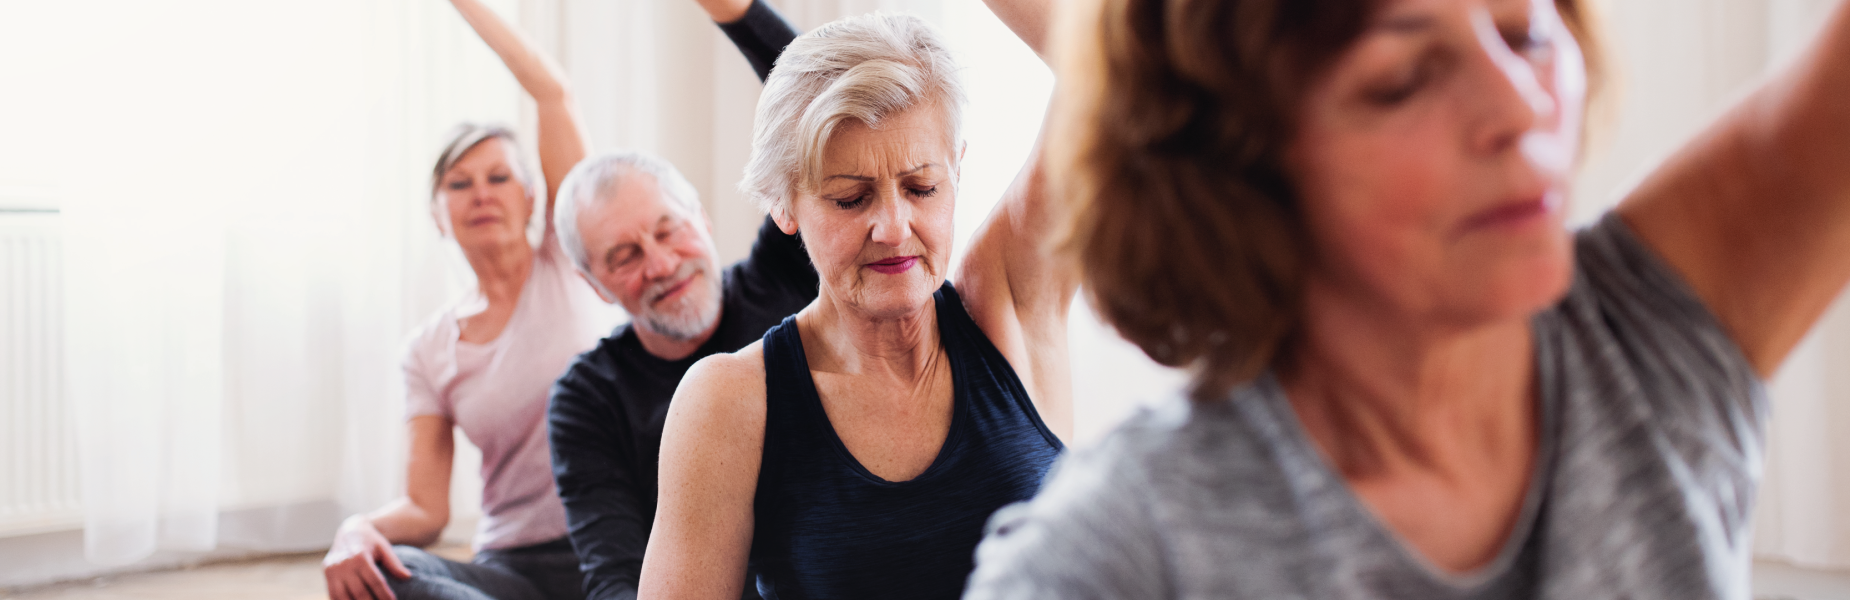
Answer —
1166 145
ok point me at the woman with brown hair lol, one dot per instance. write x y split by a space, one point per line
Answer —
1410 379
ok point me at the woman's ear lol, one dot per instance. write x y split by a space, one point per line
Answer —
786 223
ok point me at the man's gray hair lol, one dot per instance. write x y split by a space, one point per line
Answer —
595 179
864 69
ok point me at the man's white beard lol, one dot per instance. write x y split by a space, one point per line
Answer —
689 316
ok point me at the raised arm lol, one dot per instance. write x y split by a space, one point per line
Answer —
562 140
1755 212
1018 293
759 32
724 11
1029 19
1014 288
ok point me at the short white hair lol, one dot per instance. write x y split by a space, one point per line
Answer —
595 179
466 136
463 138
864 69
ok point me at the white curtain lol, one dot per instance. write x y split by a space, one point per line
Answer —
247 246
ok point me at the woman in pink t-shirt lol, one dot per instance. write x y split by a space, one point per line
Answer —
486 364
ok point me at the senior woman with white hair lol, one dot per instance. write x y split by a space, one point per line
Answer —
857 449
487 364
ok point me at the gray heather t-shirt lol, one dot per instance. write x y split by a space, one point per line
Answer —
1650 454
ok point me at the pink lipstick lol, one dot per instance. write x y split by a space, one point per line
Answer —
893 266
1513 214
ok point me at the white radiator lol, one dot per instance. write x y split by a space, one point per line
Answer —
38 438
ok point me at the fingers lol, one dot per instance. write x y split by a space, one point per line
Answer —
339 588
393 565
375 583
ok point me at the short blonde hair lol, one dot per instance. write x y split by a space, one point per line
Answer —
864 69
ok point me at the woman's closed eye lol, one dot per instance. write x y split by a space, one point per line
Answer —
1394 90
458 184
850 203
925 192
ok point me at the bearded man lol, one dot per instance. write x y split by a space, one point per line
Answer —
636 230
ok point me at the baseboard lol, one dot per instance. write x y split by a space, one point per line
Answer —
54 556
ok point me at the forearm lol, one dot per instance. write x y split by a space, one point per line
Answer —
536 72
609 552
607 527
1029 19
604 511
759 32
724 11
404 522
1798 126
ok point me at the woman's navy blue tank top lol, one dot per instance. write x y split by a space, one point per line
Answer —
827 528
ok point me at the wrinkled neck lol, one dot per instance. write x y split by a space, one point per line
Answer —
851 342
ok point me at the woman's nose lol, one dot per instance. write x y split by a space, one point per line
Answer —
892 220
1509 98
484 195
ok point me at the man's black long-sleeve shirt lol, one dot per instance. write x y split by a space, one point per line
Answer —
607 413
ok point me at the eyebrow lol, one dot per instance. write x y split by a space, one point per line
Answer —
1404 24
865 178
612 252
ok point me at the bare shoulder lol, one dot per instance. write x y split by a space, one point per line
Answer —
721 396
727 374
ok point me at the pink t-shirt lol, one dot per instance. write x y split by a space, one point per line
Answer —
497 392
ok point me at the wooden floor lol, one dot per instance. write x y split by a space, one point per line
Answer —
293 577
285 577
298 577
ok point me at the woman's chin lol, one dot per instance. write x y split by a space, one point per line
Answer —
896 297
1520 291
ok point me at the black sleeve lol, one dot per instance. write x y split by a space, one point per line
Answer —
604 516
761 36
778 268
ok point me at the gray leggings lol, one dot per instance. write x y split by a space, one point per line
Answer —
547 571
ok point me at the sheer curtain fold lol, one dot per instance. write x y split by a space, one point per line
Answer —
239 271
